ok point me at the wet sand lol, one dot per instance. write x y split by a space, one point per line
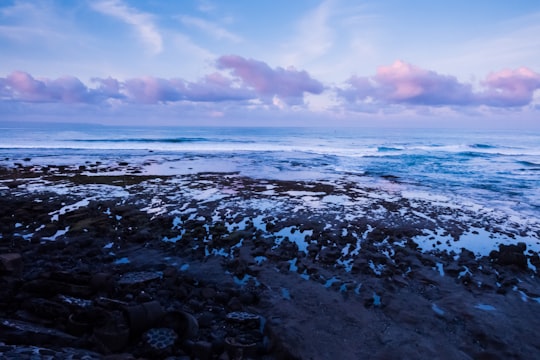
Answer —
236 267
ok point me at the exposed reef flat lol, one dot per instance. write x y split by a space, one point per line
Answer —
237 267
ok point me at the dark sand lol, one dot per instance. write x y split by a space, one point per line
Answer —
225 292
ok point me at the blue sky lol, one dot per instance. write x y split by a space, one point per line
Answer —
301 62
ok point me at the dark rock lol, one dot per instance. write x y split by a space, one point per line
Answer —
11 263
208 293
159 342
234 304
20 332
114 334
202 350
46 309
143 316
185 324
329 254
510 255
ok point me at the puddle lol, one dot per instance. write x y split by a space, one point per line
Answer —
485 307
296 236
173 239
184 267
245 280
331 281
440 268
285 293
123 260
437 309
292 266
260 259
376 300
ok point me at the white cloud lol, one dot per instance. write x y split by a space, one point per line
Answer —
142 22
28 22
206 6
314 37
210 28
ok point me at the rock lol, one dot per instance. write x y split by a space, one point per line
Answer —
244 319
11 263
143 316
208 293
183 323
243 345
114 335
21 332
234 304
202 350
159 341
46 309
510 255
466 257
329 254
35 352
139 277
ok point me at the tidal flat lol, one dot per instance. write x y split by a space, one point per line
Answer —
231 266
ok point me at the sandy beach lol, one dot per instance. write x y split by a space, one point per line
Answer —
238 268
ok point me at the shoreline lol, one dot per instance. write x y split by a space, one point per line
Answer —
331 268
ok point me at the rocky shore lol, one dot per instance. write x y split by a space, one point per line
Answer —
121 265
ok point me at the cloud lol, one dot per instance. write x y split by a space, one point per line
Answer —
210 28
109 87
510 87
403 83
288 84
216 87
142 22
212 88
23 87
250 84
314 36
150 90
35 22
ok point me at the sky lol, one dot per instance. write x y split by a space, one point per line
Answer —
244 62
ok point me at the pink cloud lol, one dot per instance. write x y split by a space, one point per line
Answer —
109 87
400 83
289 84
403 83
22 86
511 87
213 87
216 87
151 90
69 89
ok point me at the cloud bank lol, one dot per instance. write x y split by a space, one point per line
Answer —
250 80
403 83
251 84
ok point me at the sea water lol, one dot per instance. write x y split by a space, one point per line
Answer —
495 167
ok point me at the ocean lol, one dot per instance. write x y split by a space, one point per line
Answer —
497 168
